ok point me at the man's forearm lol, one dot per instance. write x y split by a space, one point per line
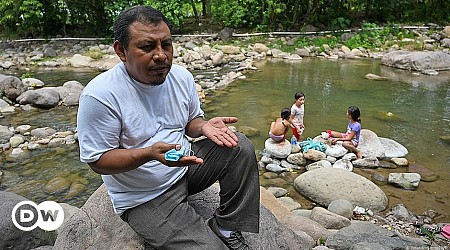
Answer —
121 160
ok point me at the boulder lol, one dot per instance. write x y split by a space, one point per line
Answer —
276 168
11 87
225 34
5 134
32 83
303 224
329 219
40 98
343 164
392 148
318 164
276 149
400 212
409 181
341 207
400 161
315 155
13 238
42 132
79 61
366 233
336 150
417 60
370 144
369 162
96 226
260 48
297 159
340 184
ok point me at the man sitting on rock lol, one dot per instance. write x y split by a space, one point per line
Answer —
133 123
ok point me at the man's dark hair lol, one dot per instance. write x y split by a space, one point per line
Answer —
145 14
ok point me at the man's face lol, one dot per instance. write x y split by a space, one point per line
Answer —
149 55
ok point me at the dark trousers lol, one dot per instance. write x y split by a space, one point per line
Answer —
169 222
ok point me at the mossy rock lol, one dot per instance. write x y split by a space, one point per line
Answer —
249 131
389 116
445 138
57 185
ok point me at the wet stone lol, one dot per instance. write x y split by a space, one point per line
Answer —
425 173
386 164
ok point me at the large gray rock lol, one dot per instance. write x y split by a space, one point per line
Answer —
392 148
79 61
368 233
41 98
303 224
11 86
343 164
340 184
72 99
276 149
370 144
13 238
225 34
96 226
336 151
329 219
409 181
341 207
417 60
43 132
33 83
5 134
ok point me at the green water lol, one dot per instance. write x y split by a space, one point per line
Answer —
420 106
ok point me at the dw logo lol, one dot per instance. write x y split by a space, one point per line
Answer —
48 215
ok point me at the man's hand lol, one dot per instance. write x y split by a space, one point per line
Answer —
160 148
217 130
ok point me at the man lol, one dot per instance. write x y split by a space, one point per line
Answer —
131 115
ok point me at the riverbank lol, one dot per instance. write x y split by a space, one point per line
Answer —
233 66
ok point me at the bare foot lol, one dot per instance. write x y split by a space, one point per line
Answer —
359 155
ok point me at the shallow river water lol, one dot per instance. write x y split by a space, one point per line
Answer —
420 106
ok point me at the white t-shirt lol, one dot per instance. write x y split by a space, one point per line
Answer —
297 114
116 111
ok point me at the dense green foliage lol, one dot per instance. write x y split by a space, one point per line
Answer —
371 36
46 18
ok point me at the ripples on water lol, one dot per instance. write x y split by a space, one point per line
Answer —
420 105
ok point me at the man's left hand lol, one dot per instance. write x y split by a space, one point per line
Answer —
217 130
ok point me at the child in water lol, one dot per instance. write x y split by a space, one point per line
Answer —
351 137
279 128
297 114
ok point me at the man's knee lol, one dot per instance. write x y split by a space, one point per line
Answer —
244 142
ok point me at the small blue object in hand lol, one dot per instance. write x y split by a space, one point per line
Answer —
175 155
